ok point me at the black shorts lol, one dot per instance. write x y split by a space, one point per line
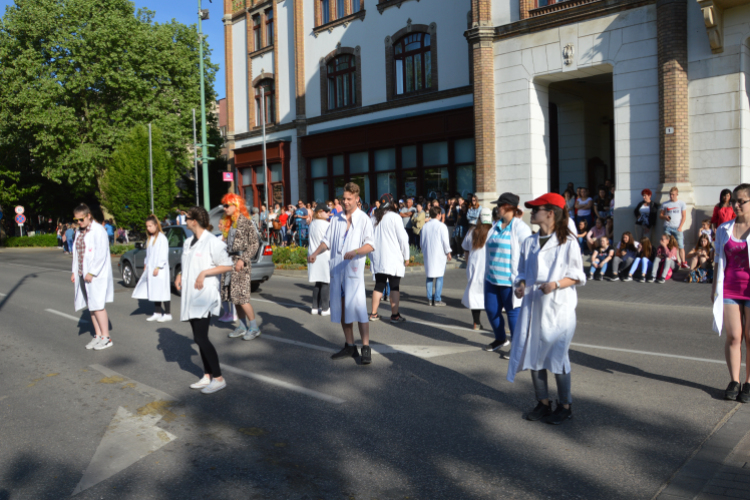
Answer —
382 279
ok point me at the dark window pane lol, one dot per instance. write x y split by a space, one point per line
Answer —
418 71
354 88
346 90
399 49
331 67
427 40
355 6
427 70
410 74
340 4
399 76
325 11
339 97
413 46
331 94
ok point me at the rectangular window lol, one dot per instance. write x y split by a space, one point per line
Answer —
269 27
435 153
465 179
340 11
355 6
260 178
385 159
399 76
276 172
320 190
435 182
410 183
319 167
338 165
325 11
256 32
363 181
409 157
387 184
247 177
359 163
465 150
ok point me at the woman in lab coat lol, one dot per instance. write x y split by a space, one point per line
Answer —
204 258
473 245
154 284
436 249
503 249
92 274
731 300
319 272
390 257
548 272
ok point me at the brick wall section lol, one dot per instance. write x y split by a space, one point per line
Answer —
483 72
525 7
299 85
481 11
250 90
671 27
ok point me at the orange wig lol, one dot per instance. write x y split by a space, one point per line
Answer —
228 222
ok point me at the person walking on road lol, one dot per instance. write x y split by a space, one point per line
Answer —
204 259
241 237
504 244
319 272
473 244
92 275
436 250
390 257
730 292
549 268
349 238
154 284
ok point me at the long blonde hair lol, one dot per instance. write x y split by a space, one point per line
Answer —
155 220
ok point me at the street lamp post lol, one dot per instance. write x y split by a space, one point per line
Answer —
203 14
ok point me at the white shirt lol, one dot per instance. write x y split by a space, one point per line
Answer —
392 244
435 248
583 212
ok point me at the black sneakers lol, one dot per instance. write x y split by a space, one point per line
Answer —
732 391
349 351
397 318
744 396
495 345
366 355
560 415
542 410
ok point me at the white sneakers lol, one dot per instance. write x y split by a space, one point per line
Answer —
214 386
164 318
155 317
201 383
251 334
99 343
314 311
327 312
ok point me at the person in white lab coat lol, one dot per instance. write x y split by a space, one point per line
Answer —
436 250
349 238
92 275
549 270
154 284
204 259
503 249
473 245
390 257
319 272
729 294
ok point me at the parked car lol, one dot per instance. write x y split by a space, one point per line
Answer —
131 262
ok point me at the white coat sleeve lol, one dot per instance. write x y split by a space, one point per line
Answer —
219 255
327 237
74 265
368 234
523 232
521 276
467 243
100 255
162 252
446 239
403 239
574 269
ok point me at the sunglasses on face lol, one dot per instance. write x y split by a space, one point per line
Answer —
189 218
226 207
79 220
538 209
738 203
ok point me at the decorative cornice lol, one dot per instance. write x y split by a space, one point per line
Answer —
713 19
482 35
384 4
260 52
344 21
569 15
257 131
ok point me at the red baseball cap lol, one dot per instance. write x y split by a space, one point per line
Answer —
553 199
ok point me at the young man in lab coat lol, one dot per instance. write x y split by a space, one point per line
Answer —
349 238
436 249
92 274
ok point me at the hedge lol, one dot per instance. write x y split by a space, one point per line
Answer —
40 240
297 256
121 249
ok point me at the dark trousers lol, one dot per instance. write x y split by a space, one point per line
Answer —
497 298
208 351
321 296
162 306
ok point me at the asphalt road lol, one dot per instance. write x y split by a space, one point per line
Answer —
432 418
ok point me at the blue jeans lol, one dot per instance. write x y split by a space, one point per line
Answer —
497 298
539 378
645 266
438 289
593 269
677 235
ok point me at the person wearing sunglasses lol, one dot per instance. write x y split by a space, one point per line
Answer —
549 269
92 275
729 294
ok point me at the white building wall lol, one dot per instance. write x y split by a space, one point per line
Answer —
239 76
262 64
285 81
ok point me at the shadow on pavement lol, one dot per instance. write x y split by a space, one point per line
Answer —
178 349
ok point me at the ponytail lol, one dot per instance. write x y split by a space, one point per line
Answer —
561 222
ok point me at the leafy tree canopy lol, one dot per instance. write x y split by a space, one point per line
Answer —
76 76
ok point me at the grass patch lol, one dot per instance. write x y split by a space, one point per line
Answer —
121 249
40 240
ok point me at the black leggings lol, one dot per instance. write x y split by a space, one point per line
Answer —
382 279
321 296
166 305
475 315
208 351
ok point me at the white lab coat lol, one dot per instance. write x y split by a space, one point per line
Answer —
98 262
723 233
520 231
320 270
546 323
150 287
435 248
348 275
208 253
392 245
475 271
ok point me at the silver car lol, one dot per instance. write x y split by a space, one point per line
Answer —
131 262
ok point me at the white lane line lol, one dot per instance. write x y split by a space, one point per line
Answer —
284 385
68 316
2 295
646 353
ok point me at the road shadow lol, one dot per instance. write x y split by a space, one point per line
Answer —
145 308
178 349
15 288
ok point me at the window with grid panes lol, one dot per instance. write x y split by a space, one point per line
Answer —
413 59
269 27
268 91
325 11
342 82
256 32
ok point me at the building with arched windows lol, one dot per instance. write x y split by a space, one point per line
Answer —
485 96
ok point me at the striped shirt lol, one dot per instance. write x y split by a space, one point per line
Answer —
499 255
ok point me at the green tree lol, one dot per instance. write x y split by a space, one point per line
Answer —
76 77
126 191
